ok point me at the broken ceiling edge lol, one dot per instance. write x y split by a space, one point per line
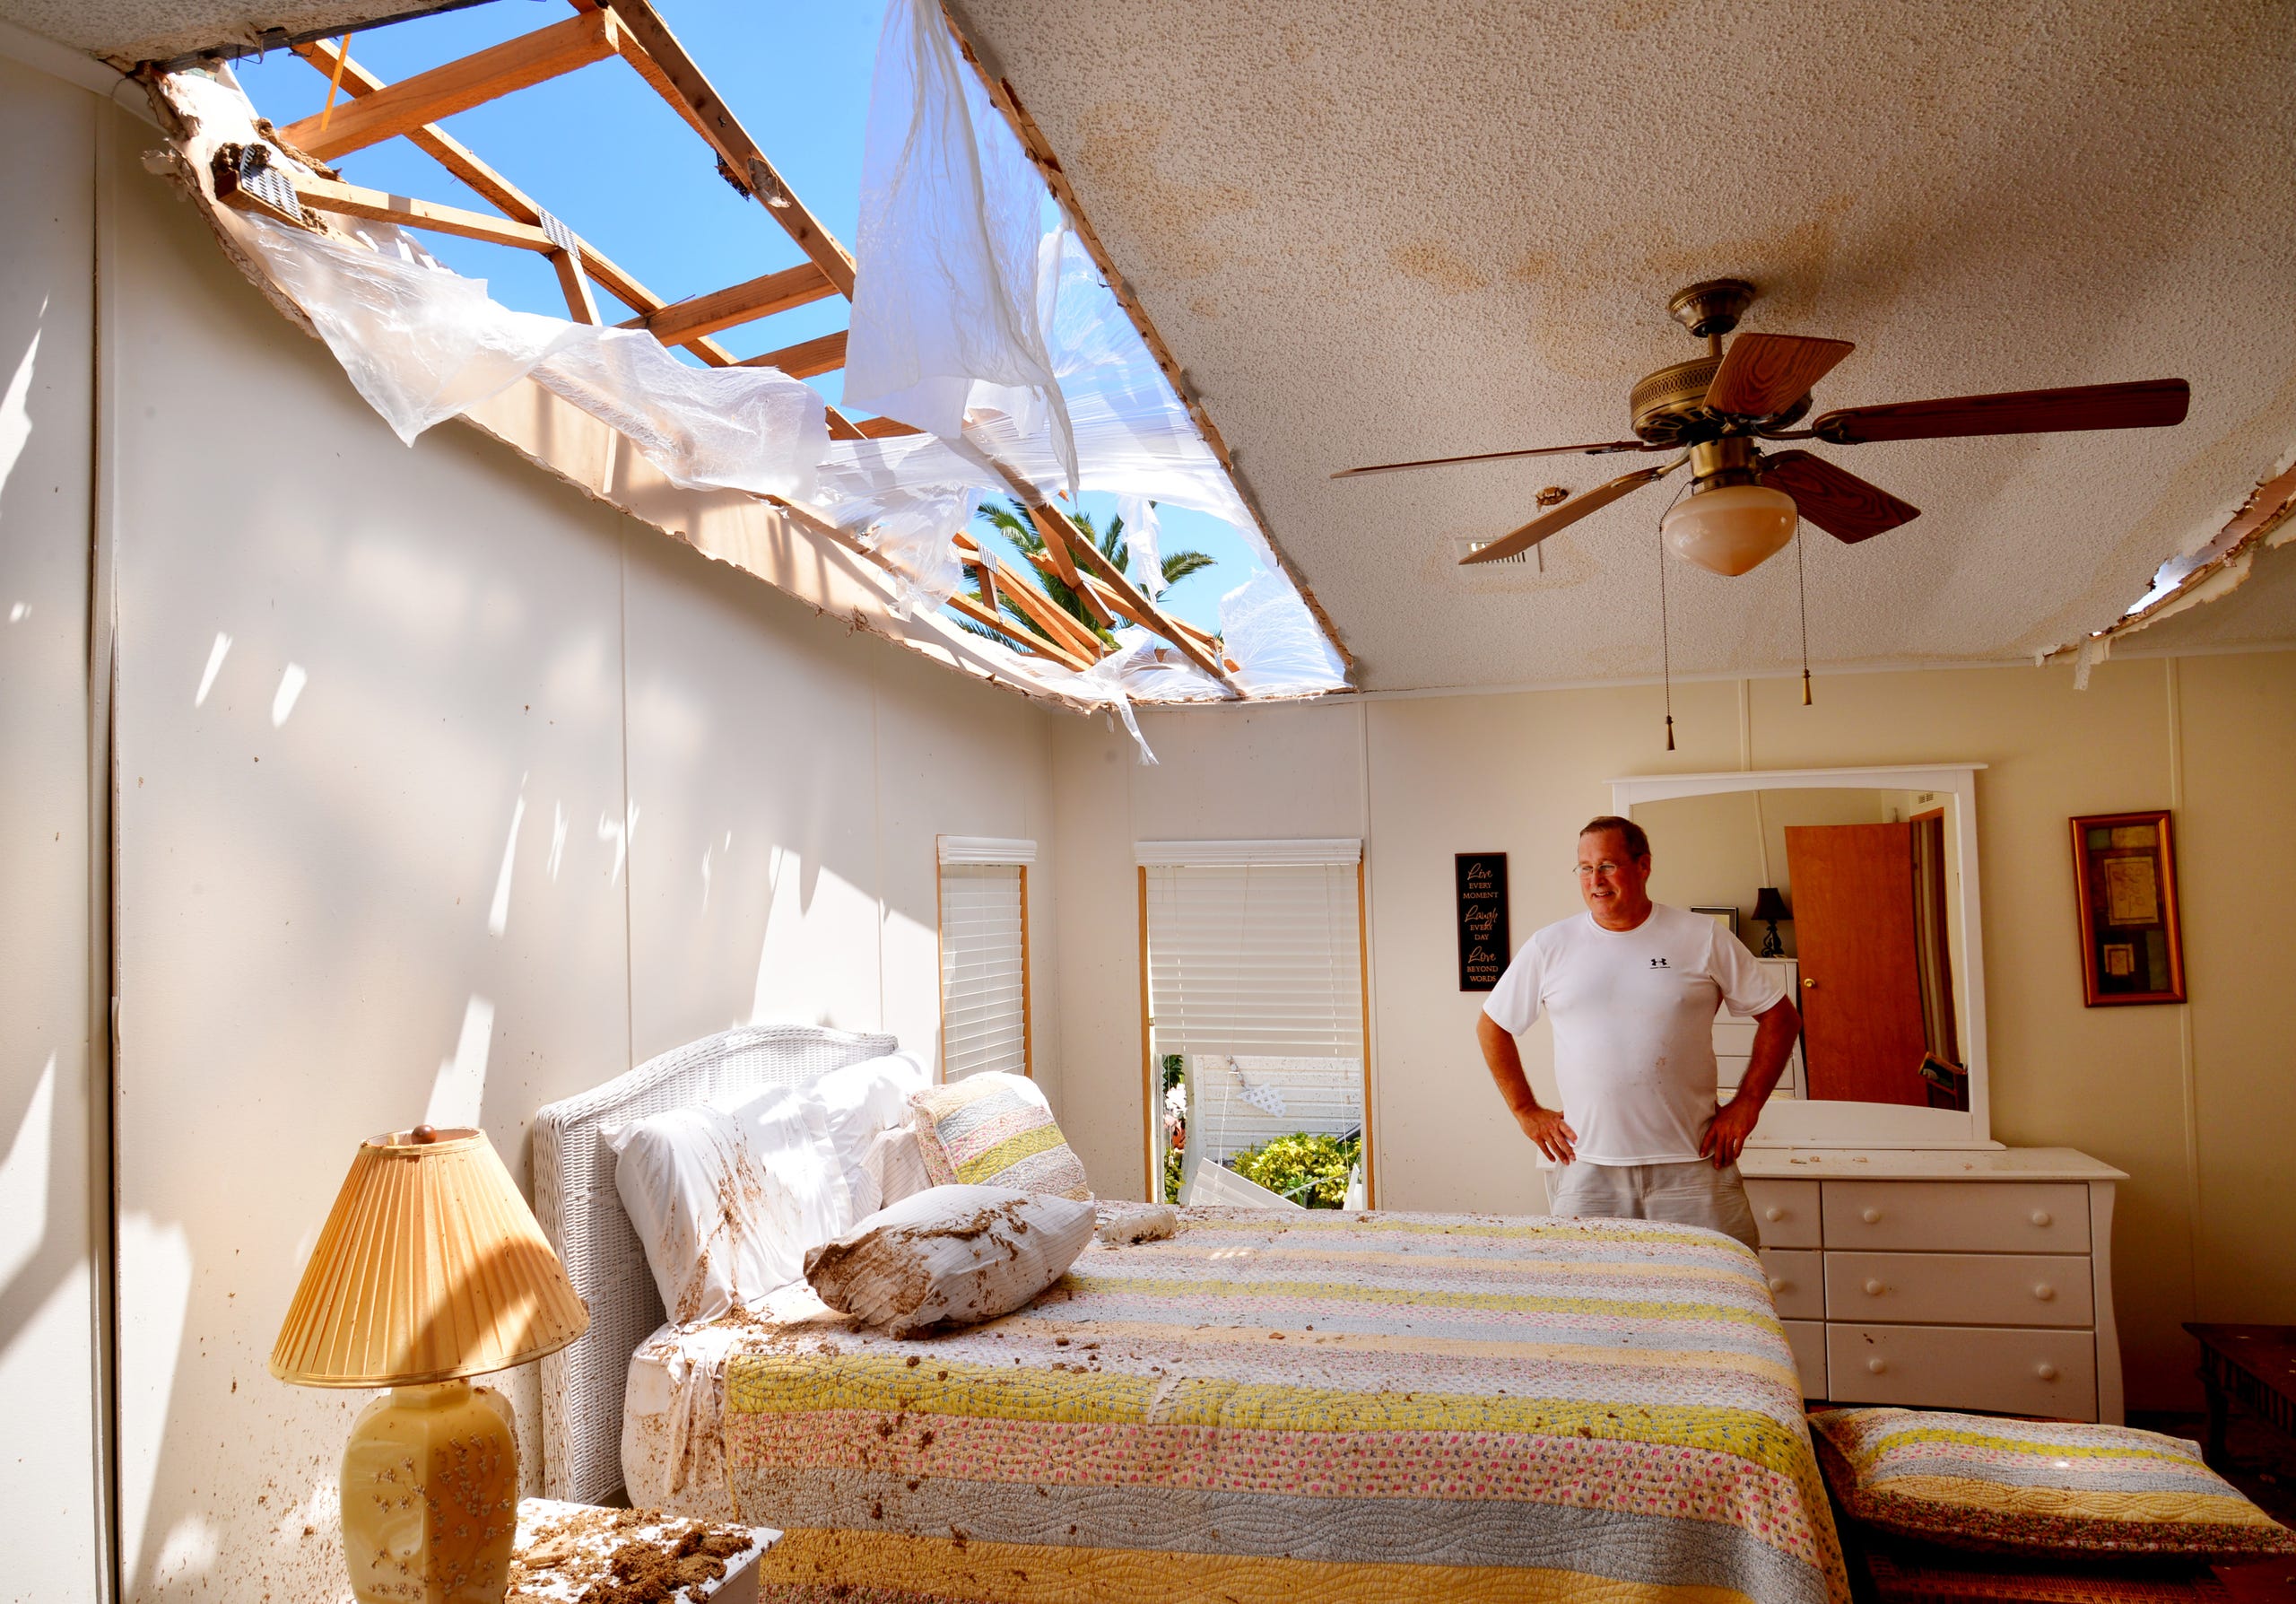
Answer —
779 545
2262 522
1046 162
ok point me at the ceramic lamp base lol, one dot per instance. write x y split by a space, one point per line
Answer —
431 1497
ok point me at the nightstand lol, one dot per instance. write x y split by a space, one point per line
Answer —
563 1549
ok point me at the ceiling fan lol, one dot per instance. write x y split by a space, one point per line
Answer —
1745 502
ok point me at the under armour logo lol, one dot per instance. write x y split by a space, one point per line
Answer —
1658 963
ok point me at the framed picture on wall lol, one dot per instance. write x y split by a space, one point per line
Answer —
2124 873
1727 918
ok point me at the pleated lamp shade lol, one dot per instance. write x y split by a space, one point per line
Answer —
431 1267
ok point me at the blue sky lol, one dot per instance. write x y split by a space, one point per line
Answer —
601 150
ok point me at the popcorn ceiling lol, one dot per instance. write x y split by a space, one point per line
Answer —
1394 231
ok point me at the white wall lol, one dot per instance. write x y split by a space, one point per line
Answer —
491 792
2192 1101
49 1466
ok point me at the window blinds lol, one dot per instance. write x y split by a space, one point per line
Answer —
1254 957
984 970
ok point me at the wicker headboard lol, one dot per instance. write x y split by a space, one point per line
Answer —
582 1214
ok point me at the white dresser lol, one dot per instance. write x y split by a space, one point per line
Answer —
1944 1279
1734 1037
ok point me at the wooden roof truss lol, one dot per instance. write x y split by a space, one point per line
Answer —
364 110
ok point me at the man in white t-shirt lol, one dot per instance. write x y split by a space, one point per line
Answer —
1633 987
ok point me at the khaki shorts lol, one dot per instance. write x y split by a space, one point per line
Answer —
1683 1194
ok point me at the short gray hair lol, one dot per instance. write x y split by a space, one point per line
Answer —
1637 841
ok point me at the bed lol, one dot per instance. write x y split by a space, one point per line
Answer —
1276 1406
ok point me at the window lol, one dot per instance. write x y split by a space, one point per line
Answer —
1253 963
984 956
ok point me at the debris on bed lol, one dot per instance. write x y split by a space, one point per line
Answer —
1123 1223
573 1553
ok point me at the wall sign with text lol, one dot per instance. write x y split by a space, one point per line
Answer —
1483 948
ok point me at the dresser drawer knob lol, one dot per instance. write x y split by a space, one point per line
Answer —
2044 1291
1873 1288
2043 1219
2046 1371
1773 1214
1778 1284
1871 1217
1875 1367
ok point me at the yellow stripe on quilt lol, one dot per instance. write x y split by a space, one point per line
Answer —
1883 1444
2092 1503
957 1567
1356 1224
1036 1322
1011 1150
1341 1292
792 1383
1722 1275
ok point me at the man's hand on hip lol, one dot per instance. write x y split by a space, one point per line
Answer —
1549 1130
1727 1134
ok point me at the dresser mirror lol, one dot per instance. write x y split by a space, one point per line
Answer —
1858 888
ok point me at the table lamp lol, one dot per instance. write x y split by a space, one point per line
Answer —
1769 907
431 1270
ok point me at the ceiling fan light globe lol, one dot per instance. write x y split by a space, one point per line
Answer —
1732 530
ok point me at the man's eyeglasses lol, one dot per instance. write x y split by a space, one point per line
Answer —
1605 868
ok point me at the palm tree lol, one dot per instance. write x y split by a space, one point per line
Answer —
1011 519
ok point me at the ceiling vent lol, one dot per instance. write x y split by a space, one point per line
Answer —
1464 547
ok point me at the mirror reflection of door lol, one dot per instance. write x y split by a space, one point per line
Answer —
1858 940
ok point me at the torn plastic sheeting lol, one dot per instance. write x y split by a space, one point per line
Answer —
906 497
1274 643
949 312
423 343
1133 435
1143 543
419 343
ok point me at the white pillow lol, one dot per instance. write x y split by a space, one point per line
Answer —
859 1101
802 1201
961 1254
682 1176
726 1196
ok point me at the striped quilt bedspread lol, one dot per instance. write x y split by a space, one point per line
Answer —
1286 1407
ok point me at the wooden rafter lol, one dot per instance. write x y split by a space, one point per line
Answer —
965 606
1148 616
1055 530
515 202
806 358
1062 536
574 284
1048 615
473 80
351 200
681 321
679 81
1082 590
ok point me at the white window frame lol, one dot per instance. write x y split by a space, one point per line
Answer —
982 852
1322 852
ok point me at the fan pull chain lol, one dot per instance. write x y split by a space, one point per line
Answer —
1666 649
1802 592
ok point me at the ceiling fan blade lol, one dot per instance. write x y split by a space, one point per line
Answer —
1844 506
2149 403
1563 516
1596 450
1763 374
